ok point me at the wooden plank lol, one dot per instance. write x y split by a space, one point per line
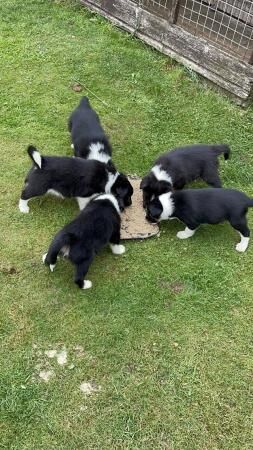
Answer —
229 73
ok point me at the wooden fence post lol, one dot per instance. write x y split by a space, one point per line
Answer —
173 11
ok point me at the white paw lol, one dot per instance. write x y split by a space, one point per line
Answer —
51 266
241 247
23 208
182 235
44 257
72 146
118 249
87 284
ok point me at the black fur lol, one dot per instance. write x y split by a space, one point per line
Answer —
74 177
97 225
184 165
206 206
85 128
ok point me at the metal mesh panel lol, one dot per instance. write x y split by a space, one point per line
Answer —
227 23
160 7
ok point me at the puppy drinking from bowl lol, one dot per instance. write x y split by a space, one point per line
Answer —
194 207
64 176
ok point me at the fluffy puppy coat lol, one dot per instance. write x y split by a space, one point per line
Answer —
97 225
204 206
73 177
87 134
174 169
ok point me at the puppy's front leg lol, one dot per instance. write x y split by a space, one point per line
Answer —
243 244
23 206
187 233
51 266
81 271
116 247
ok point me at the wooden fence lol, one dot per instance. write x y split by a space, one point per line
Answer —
212 37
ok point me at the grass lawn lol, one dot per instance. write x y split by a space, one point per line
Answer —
165 334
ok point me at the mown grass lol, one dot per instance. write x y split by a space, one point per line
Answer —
167 328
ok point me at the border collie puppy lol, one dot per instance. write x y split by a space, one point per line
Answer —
73 177
97 225
174 169
88 137
204 206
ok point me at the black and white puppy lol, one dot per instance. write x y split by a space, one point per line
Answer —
203 206
174 169
89 140
97 225
65 176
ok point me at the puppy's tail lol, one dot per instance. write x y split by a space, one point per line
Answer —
35 156
84 101
222 148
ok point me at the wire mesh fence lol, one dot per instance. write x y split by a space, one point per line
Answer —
160 7
228 24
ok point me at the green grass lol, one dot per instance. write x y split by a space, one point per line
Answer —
167 328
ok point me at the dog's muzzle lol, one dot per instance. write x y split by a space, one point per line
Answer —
151 219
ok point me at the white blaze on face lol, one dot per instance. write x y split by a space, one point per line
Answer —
167 204
112 177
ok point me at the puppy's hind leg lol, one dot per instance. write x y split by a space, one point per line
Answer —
50 257
243 229
81 271
29 192
211 177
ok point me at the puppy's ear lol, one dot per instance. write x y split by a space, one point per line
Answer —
162 187
144 183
